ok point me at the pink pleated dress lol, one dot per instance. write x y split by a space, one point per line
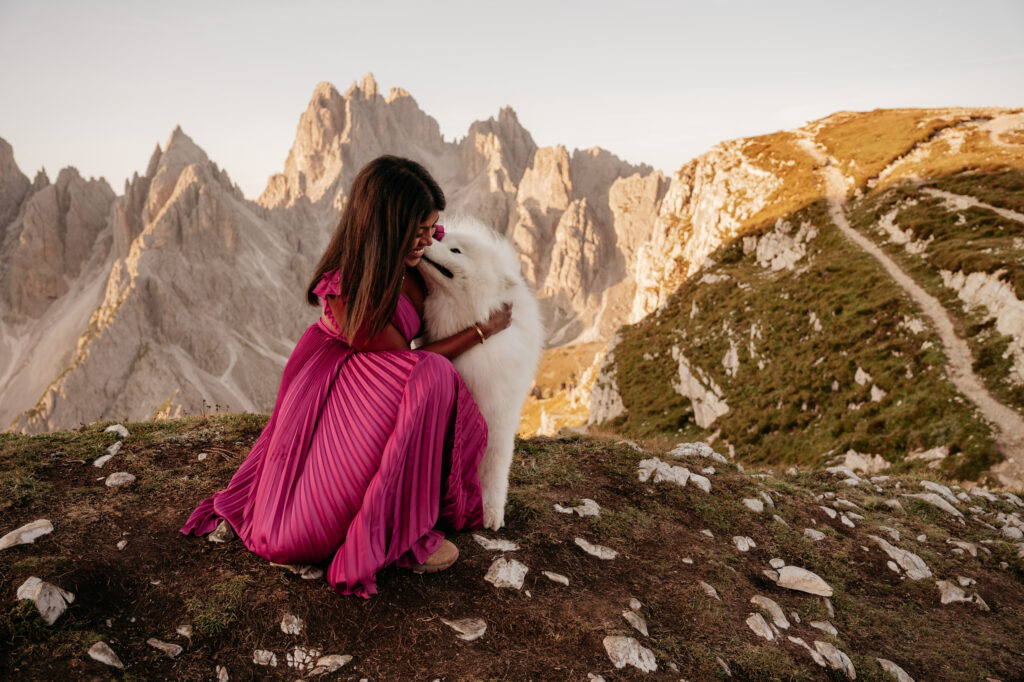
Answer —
365 458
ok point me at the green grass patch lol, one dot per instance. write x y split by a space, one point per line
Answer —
212 614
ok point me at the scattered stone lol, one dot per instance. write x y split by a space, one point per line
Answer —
101 460
965 582
771 574
497 545
914 565
118 428
636 620
950 593
101 651
697 450
892 566
940 489
828 607
837 660
701 482
171 650
635 604
724 666
869 464
328 664
776 563
121 545
556 577
829 511
222 673
467 629
222 533
922 538
630 444
292 625
825 626
591 677
846 521
937 501
625 651
818 658
301 657
709 590
687 560
743 543
767 499
587 508
708 471
968 547
802 580
264 657
899 673
1010 497
753 505
757 623
201 456
815 535
27 534
984 494
50 600
895 506
119 478
185 630
656 471
779 519
708 533
893 533
1012 532
506 573
773 608
600 551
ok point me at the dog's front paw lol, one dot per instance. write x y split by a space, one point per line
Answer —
494 516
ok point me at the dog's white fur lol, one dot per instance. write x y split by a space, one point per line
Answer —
498 372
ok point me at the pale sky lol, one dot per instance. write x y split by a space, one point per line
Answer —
97 85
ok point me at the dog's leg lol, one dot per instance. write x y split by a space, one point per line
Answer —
494 473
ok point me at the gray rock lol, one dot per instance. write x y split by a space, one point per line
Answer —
556 577
101 651
623 651
600 551
27 534
897 672
914 565
467 629
813 534
117 428
743 543
185 630
222 673
264 657
222 533
759 625
818 658
802 580
328 664
836 659
119 478
937 501
753 505
773 608
496 545
825 626
950 593
292 625
637 621
709 590
50 600
302 658
171 650
506 573
776 563
697 450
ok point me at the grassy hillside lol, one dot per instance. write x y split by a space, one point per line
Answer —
669 539
970 240
799 337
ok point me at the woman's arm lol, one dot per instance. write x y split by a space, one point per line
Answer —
458 343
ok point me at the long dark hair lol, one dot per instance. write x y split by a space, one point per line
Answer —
389 198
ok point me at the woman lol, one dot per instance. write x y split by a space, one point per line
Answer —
370 444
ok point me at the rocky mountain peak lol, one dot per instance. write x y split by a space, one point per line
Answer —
13 185
365 88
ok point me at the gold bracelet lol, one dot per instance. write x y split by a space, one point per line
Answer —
477 328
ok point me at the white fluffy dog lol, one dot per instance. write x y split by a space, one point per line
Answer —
469 274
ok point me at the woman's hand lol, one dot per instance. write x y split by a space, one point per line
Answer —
499 319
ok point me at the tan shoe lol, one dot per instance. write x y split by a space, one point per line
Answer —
443 557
